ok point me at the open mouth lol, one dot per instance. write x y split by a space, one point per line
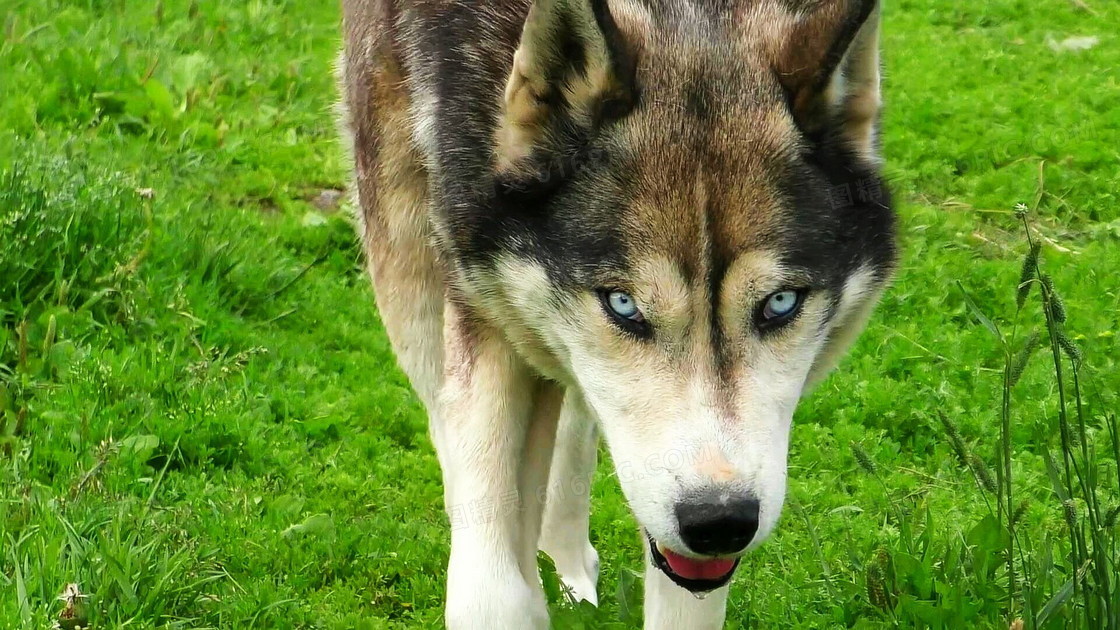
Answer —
697 576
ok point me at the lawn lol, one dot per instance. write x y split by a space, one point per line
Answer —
202 426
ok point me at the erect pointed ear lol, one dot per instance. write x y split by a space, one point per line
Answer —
572 70
828 64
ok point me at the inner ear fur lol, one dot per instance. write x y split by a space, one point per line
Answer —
828 64
571 71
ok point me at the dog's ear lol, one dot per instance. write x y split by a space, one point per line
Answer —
828 63
572 71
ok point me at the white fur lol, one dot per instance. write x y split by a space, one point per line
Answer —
491 411
494 424
424 124
860 295
564 536
667 433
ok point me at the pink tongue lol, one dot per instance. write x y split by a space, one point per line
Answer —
690 569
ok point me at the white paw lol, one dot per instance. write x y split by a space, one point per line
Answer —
579 571
486 601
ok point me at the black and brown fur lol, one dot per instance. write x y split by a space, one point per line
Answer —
587 138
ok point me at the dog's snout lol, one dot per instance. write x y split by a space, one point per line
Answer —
718 523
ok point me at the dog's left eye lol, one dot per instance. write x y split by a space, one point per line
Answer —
624 311
623 305
780 308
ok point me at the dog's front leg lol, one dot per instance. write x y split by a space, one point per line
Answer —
496 434
567 514
670 607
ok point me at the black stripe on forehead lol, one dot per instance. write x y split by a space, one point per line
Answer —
698 97
718 261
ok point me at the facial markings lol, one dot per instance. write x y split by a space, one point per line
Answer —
751 278
703 195
663 292
683 345
713 464
698 97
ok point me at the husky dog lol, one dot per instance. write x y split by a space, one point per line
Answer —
658 219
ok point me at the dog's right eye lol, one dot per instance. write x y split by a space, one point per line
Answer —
779 308
623 310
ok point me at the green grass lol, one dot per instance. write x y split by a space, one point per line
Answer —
201 423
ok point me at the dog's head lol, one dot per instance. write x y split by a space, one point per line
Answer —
695 230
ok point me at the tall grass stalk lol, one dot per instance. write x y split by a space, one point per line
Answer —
1093 588
1092 541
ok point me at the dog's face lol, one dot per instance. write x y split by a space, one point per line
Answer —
696 261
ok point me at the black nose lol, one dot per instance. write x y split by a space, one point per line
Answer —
719 522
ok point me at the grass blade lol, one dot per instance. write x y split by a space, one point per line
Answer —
979 314
1061 597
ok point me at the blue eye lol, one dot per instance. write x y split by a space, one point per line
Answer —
623 311
623 305
780 307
